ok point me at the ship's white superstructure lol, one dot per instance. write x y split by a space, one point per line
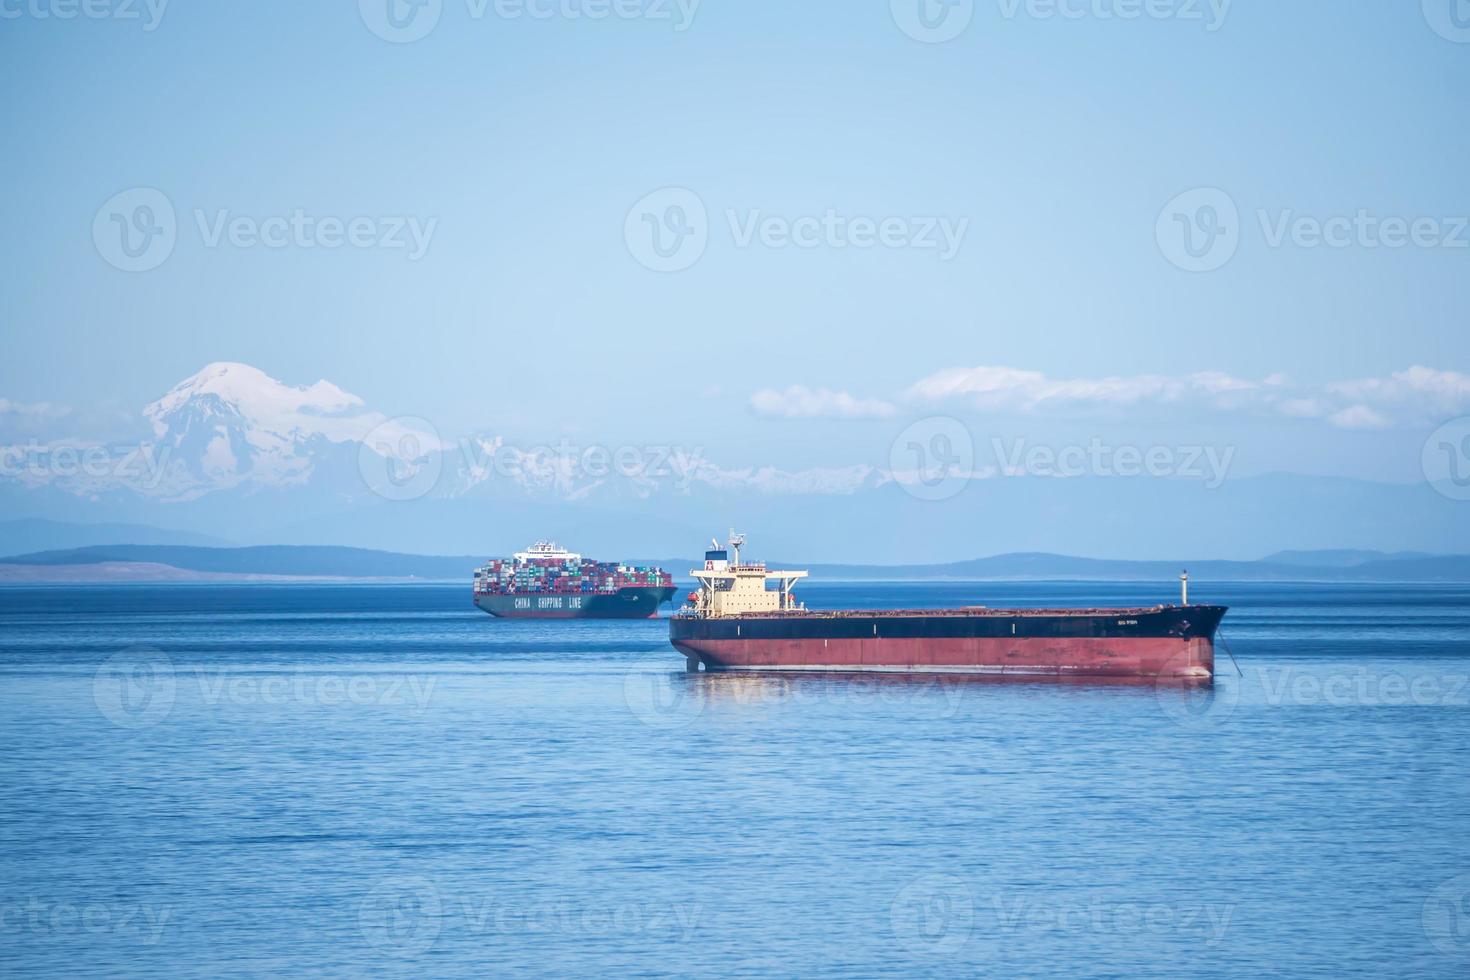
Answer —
729 588
547 551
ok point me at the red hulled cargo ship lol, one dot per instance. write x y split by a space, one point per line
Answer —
735 621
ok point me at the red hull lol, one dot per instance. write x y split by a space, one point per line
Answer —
1163 656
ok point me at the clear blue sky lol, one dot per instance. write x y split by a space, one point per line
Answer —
1059 140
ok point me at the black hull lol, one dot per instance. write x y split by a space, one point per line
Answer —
639 602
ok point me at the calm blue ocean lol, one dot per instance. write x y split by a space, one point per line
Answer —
211 781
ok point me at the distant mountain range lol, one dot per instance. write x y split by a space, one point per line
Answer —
172 562
270 560
33 534
231 455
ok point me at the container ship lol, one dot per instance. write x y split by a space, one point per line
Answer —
548 582
744 617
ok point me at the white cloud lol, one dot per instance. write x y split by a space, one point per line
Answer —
1302 408
1358 417
801 402
1004 388
20 419
1418 395
35 410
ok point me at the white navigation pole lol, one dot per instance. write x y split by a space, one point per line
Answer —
1184 587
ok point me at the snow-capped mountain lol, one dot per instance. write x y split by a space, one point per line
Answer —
234 453
230 426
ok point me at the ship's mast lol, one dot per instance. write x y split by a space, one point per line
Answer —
737 541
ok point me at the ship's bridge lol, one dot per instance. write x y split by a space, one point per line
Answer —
547 551
733 588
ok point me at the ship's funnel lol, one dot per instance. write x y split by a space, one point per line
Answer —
717 559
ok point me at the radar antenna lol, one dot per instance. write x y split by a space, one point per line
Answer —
737 541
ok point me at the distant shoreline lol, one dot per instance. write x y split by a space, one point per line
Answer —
330 563
152 573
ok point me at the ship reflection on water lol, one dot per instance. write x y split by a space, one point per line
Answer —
680 698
